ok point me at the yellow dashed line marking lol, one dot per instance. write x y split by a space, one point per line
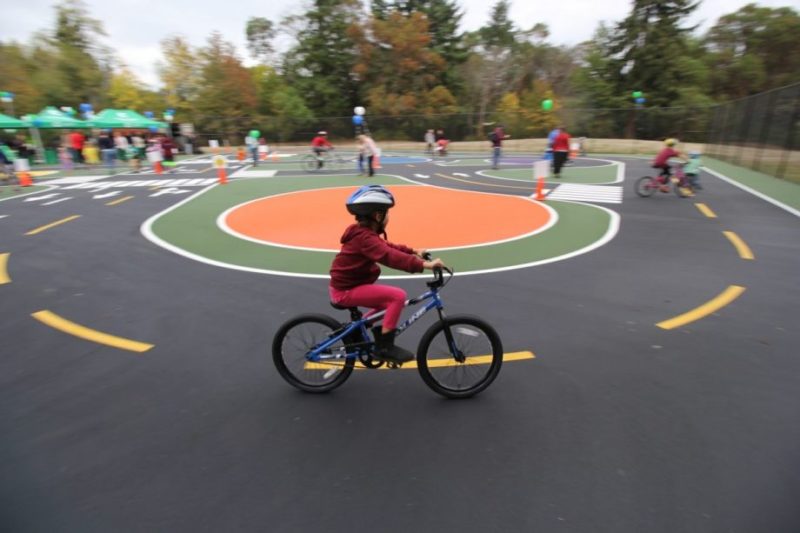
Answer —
705 210
62 324
119 200
52 225
741 247
3 269
436 363
715 304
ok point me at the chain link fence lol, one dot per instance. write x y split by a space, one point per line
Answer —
759 132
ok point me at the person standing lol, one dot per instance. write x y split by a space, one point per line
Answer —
560 150
496 137
76 140
107 149
370 150
430 141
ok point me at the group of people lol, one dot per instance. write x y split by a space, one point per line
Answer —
368 151
436 142
110 146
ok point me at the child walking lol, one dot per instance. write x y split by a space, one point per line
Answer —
354 270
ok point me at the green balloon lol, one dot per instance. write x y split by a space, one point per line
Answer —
637 94
547 105
255 134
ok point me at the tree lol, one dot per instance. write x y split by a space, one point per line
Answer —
126 91
16 71
180 74
395 64
282 109
646 48
226 101
260 33
319 66
753 49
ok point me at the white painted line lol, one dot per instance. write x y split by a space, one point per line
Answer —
754 192
57 201
75 179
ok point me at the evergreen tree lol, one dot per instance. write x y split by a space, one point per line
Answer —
321 62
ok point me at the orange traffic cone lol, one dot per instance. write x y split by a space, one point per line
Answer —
222 175
540 189
376 161
158 167
25 179
240 154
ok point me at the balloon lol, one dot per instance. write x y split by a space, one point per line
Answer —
637 94
148 114
170 111
358 120
37 123
547 104
153 129
255 134
83 107
359 110
640 100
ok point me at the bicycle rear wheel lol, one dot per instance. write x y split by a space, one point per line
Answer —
646 186
477 342
310 163
291 345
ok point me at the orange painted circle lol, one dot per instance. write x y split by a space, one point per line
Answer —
424 217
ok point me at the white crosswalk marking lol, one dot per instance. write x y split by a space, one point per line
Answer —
601 194
197 182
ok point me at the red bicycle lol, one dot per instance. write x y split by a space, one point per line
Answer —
646 186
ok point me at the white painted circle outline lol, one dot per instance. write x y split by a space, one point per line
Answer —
147 231
222 223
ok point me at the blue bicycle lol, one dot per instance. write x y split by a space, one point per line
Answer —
458 356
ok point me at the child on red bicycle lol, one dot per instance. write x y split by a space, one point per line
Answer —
354 270
661 160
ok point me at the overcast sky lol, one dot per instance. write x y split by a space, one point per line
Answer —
135 27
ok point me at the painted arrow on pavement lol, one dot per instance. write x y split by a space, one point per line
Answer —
170 190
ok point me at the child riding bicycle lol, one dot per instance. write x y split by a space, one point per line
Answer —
354 269
661 161
319 145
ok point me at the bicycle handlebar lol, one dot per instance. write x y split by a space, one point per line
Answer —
438 273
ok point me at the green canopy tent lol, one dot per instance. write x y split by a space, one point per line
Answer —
11 123
124 118
51 118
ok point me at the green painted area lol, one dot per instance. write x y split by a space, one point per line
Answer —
784 191
192 227
10 191
593 174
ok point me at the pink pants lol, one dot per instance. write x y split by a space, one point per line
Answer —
376 297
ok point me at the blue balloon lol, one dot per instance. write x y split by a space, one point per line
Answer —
85 107
148 114
358 120
170 111
37 123
640 100
153 129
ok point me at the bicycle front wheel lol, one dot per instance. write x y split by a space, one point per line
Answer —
290 348
646 186
310 163
478 358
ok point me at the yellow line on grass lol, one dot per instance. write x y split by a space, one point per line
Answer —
705 210
3 269
741 247
715 304
119 200
52 225
435 363
62 324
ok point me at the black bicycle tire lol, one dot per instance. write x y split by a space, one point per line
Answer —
288 375
309 163
495 364
646 192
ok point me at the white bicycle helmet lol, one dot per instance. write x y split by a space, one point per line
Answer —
368 199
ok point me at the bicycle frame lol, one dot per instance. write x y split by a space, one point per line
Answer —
434 302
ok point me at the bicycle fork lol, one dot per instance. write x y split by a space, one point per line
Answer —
458 355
